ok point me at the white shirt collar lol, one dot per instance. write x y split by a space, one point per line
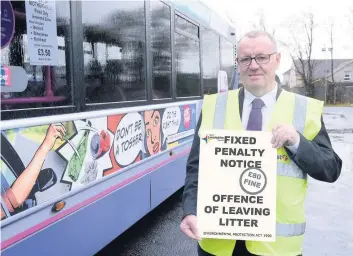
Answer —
269 98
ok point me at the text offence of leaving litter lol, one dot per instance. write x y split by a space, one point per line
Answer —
237 210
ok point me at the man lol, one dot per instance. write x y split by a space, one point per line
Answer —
299 134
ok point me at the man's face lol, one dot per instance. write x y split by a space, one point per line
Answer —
256 76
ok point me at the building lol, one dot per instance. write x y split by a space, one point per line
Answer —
323 82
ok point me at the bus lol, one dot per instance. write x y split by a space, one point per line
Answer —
99 103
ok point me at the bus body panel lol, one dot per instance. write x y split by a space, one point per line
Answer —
89 229
37 215
165 181
109 216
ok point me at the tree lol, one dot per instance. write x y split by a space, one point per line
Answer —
301 31
261 23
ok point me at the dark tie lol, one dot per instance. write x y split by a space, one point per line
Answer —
255 118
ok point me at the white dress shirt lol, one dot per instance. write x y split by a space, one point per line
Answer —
269 100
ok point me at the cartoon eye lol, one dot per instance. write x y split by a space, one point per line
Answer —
155 121
149 133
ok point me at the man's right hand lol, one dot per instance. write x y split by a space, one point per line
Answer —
189 227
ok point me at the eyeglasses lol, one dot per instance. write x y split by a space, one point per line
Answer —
260 59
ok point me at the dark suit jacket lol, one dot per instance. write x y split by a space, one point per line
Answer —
316 158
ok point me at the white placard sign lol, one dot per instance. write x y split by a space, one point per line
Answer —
41 32
236 196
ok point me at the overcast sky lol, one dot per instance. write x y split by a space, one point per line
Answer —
243 13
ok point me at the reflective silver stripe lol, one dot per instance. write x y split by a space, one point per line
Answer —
290 170
220 111
299 116
290 229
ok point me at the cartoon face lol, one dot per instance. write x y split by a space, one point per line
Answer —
153 131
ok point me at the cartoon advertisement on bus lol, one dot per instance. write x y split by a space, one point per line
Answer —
43 162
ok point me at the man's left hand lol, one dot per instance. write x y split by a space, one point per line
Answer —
284 135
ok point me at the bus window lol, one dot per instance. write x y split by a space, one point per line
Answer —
227 59
210 61
187 58
35 56
114 51
161 50
186 26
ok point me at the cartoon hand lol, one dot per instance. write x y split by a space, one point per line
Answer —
54 131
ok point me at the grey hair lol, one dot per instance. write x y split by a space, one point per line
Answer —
256 33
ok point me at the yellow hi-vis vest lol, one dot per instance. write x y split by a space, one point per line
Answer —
221 111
